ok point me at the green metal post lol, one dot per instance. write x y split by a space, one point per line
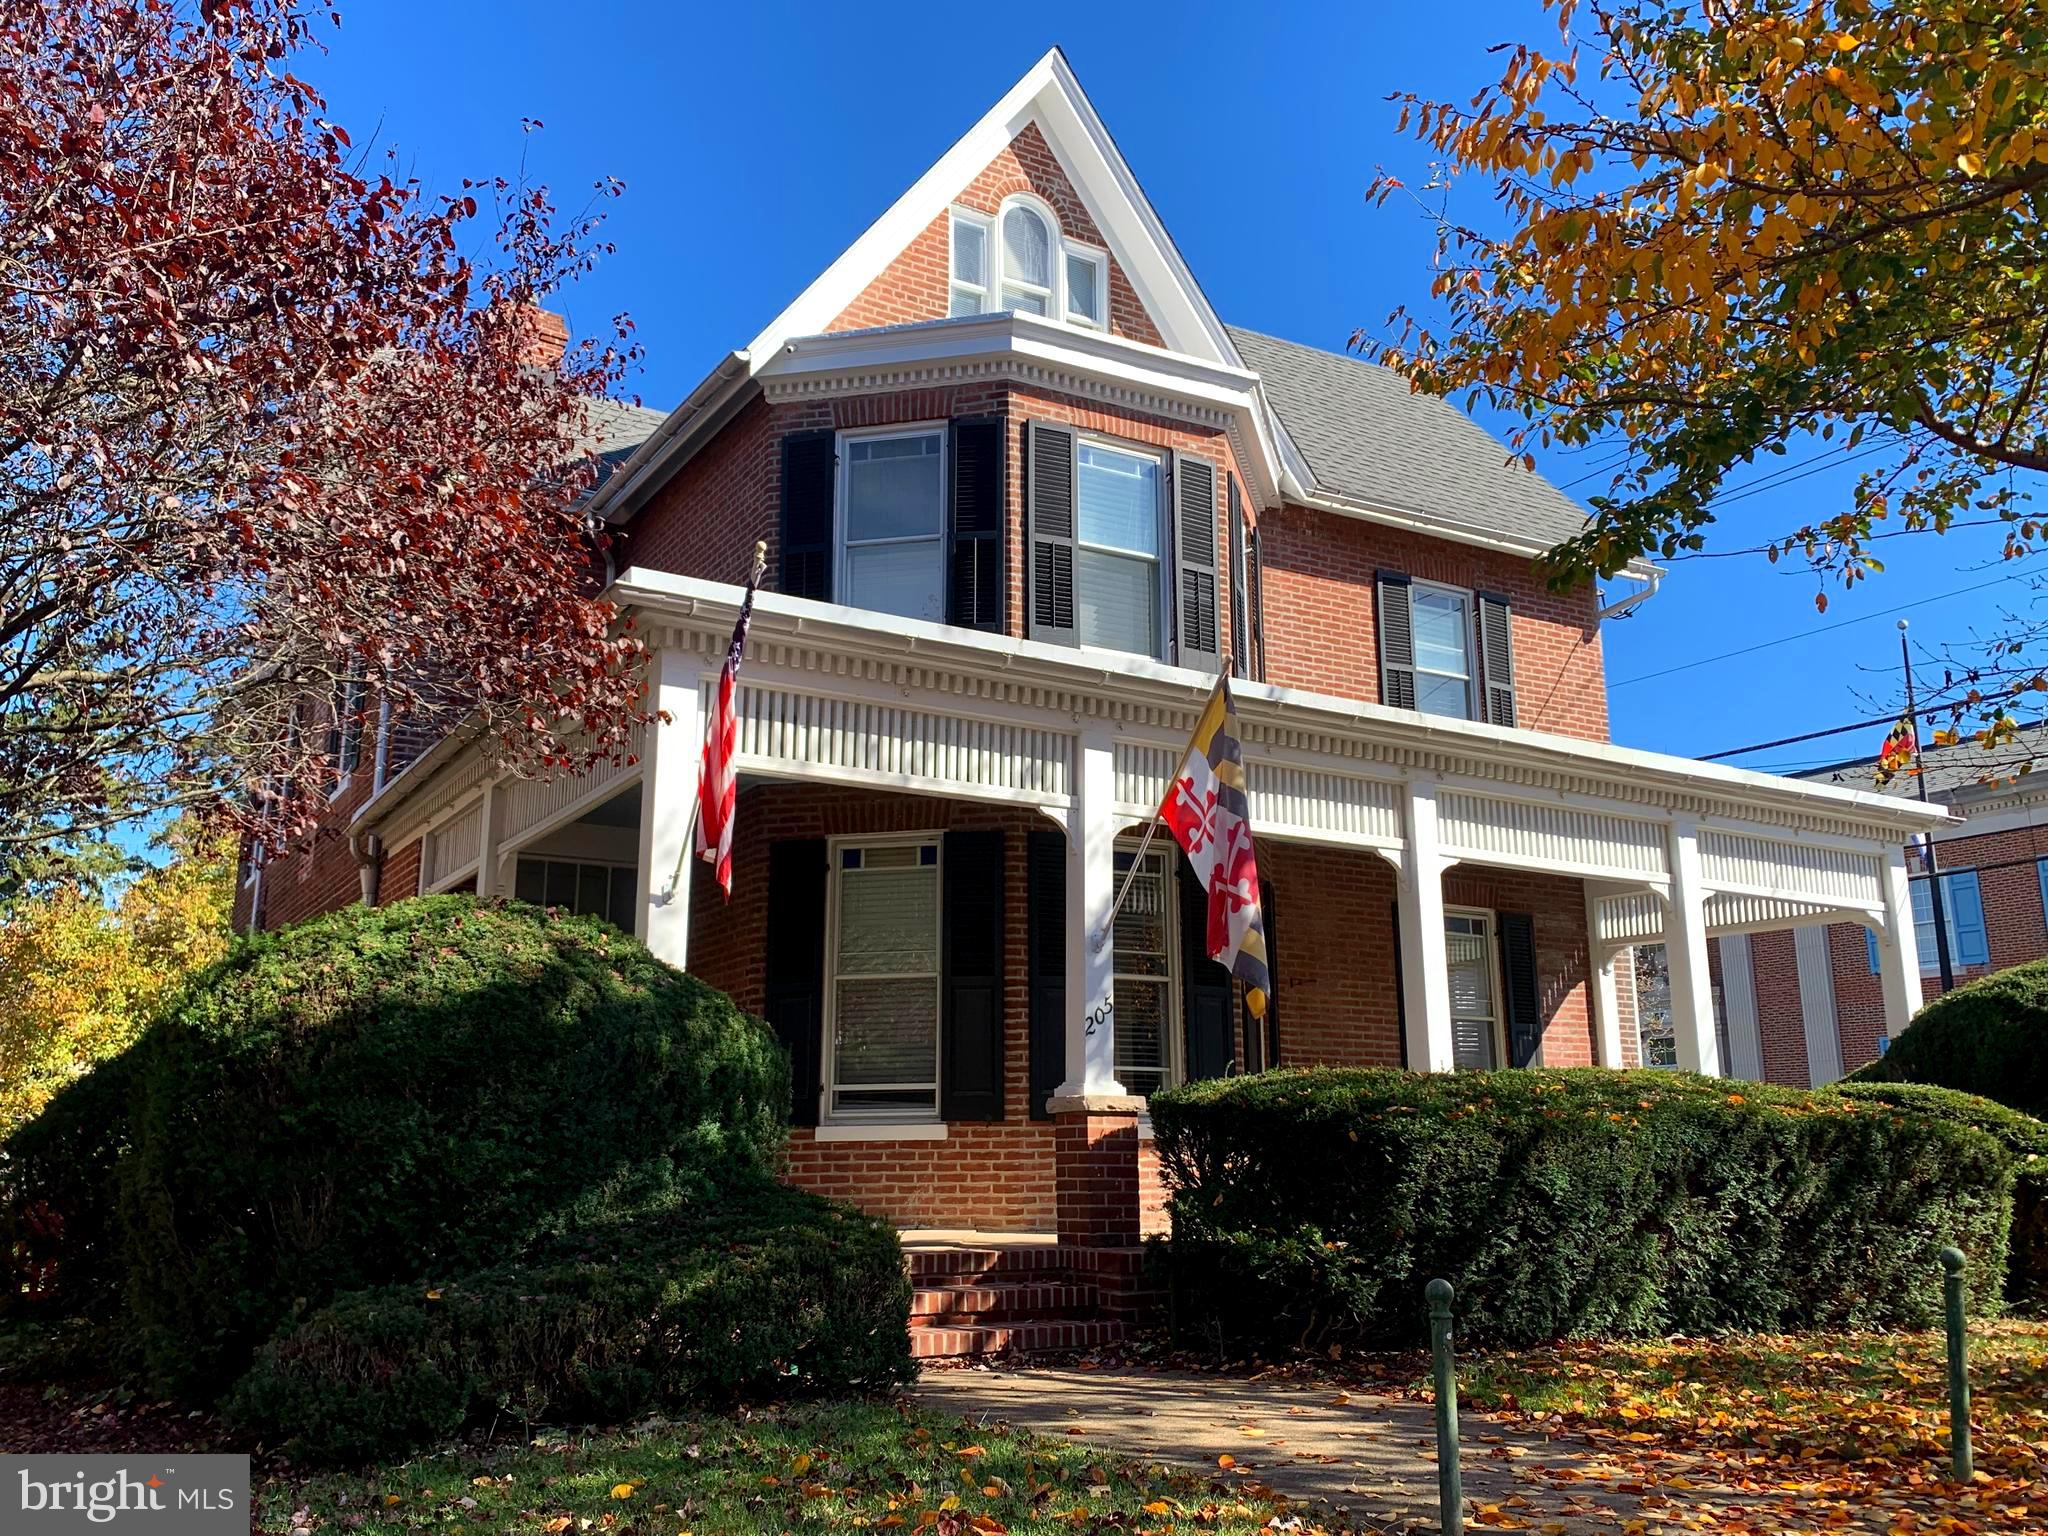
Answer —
1450 1480
1960 1461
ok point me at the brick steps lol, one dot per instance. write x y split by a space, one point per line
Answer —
971 1302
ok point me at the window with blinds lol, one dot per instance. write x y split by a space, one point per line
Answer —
884 986
1475 993
1143 944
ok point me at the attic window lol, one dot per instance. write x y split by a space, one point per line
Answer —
1020 261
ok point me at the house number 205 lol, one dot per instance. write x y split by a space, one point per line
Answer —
1100 1016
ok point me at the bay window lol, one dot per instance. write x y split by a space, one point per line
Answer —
882 951
892 522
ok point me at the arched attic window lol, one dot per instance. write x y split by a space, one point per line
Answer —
1020 261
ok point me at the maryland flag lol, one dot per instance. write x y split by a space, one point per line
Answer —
1206 811
1897 753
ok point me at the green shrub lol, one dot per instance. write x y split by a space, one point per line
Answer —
772 1291
380 1094
1310 1207
1989 1037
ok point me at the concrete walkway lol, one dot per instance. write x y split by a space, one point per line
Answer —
1374 1458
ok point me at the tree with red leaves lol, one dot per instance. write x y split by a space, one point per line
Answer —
268 435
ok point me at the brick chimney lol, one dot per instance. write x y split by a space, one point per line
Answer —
543 337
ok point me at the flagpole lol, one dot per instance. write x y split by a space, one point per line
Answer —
758 570
1927 854
1151 831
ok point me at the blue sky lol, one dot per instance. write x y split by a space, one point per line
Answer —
756 142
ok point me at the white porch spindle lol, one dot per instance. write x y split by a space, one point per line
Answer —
1898 948
1685 949
668 797
1425 965
1603 989
1091 886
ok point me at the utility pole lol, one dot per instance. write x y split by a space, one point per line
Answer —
1928 859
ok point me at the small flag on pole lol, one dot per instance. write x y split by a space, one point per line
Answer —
1207 812
719 780
1900 747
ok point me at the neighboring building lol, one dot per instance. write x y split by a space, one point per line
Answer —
1807 1005
1024 494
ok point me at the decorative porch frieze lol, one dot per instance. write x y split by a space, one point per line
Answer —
1803 871
1533 835
1287 800
532 806
450 849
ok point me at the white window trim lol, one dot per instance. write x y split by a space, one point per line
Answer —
986 290
1175 1062
1097 258
1471 602
1492 943
1162 635
828 1077
872 1130
840 574
989 294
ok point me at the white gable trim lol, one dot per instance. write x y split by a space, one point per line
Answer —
1051 97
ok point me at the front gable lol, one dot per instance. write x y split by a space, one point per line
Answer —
1044 139
914 286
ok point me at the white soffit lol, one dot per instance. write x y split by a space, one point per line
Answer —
1051 97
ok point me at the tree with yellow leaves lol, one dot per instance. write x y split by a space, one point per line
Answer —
79 978
1748 225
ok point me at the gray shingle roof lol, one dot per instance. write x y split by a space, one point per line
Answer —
1966 770
1369 438
616 427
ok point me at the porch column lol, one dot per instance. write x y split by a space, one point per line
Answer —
1095 1122
1685 949
1603 991
1425 964
490 825
1091 886
668 792
1898 947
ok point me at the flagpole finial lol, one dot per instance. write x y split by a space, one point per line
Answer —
760 559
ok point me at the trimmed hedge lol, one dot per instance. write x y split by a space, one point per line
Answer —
378 1094
1989 1037
774 1292
1310 1207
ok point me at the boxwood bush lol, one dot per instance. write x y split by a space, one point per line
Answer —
1989 1037
441 1094
1311 1207
767 1291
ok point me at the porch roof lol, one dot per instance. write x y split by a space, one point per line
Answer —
1086 683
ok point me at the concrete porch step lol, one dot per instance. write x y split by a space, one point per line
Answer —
1000 1301
1036 1336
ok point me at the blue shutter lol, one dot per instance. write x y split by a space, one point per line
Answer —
2041 874
1870 943
1965 911
1923 927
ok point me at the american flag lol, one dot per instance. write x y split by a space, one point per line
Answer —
719 781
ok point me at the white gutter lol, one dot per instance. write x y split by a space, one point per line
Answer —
1651 578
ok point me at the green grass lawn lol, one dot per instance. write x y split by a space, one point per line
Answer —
852 1466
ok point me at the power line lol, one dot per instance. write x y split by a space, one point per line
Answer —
1833 730
1764 645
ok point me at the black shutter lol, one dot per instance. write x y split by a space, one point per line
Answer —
1400 991
795 1000
809 463
1204 986
1496 660
1262 1036
1397 642
1258 607
1240 647
1518 983
974 528
971 966
1045 872
1049 515
1198 644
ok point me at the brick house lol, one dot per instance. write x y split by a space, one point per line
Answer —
1807 1006
1024 494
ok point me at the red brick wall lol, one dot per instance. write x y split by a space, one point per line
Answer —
401 874
1336 1001
914 286
1321 622
1781 1023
